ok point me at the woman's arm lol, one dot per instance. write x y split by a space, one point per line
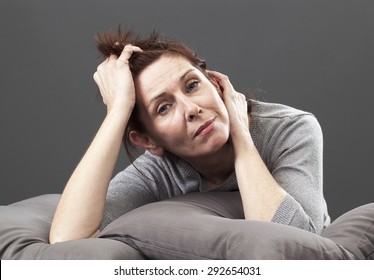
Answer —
261 194
296 163
288 189
80 210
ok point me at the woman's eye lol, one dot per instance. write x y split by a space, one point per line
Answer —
191 86
163 109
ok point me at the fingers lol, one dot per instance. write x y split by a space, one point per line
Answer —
114 78
113 60
125 55
229 93
222 80
127 52
217 75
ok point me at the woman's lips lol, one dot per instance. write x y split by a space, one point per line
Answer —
205 128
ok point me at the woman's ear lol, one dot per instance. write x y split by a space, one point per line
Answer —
215 83
145 142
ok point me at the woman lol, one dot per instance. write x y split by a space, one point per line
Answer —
199 135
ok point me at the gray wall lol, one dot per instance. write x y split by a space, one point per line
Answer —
314 55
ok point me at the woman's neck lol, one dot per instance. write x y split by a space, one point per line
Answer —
216 168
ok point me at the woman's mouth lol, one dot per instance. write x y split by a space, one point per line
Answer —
205 128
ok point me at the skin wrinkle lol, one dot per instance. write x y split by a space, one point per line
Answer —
163 93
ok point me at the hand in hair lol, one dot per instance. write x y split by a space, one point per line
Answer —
115 81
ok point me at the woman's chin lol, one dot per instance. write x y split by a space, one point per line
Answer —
216 145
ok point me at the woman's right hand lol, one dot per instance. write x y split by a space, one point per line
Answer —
115 81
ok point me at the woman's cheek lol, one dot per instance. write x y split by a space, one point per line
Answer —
169 133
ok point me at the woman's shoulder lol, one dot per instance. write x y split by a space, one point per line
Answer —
274 125
275 118
275 110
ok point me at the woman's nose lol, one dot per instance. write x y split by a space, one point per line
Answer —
191 109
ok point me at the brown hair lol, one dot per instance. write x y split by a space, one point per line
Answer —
113 42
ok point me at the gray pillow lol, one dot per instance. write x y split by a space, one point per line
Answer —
211 226
355 231
24 231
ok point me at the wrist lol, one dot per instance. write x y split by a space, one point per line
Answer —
118 110
117 116
242 141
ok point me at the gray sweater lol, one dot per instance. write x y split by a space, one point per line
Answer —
290 144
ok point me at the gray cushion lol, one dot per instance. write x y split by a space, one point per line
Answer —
24 231
211 226
192 226
355 231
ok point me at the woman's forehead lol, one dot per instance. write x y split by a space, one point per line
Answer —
163 74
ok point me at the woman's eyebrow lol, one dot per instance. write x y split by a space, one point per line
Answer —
162 94
185 74
158 96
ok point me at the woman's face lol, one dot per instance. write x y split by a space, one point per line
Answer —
181 109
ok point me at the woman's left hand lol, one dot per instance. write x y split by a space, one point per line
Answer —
236 105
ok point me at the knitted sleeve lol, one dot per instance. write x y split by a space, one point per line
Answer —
297 160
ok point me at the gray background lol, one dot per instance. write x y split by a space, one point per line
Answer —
314 55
